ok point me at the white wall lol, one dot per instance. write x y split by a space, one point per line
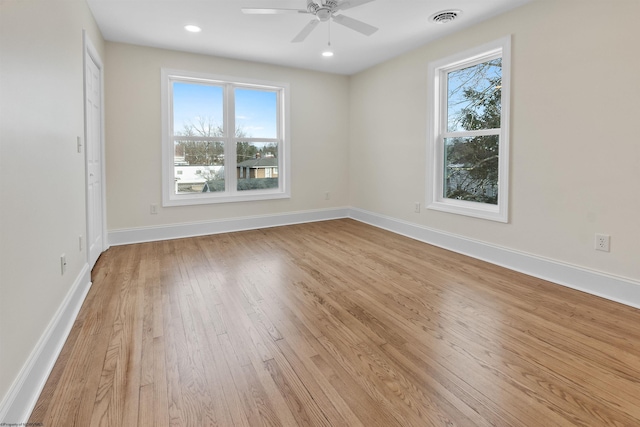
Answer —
319 137
575 163
42 192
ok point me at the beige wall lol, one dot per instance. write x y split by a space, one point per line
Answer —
319 137
575 163
42 207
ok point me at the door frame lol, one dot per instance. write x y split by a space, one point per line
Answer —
90 53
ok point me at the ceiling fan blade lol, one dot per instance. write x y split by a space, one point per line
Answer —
270 11
305 31
348 4
355 25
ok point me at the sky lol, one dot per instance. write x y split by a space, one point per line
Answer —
255 110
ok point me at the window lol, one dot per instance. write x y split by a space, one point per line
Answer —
468 132
220 137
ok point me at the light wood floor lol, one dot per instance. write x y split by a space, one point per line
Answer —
337 324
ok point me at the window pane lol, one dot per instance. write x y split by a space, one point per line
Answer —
198 166
257 166
197 110
471 169
256 113
473 97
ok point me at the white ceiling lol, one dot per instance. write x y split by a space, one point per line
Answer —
227 32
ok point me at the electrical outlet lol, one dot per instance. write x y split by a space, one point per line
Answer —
80 243
327 195
63 264
153 209
416 208
79 144
603 242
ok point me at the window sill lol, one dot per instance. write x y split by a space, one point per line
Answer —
472 209
208 198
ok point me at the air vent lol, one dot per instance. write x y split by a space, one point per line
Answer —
445 16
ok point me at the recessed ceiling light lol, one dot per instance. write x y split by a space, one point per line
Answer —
327 53
192 28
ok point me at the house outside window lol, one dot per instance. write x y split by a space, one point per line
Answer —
216 130
469 133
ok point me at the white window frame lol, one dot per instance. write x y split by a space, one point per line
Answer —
169 196
437 132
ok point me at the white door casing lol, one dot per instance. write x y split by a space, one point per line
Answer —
93 92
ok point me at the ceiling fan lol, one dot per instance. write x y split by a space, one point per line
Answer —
322 12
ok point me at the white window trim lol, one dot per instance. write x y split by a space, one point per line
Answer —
169 196
437 98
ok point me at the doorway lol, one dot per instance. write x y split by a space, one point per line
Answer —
94 149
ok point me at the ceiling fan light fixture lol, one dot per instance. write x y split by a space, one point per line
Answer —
323 14
445 16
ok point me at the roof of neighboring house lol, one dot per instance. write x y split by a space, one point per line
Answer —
264 162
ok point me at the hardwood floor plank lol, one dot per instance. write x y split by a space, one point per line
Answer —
337 323
146 415
172 375
196 387
210 361
245 393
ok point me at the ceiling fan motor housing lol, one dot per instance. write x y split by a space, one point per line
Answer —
322 11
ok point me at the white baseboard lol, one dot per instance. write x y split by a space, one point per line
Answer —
17 405
619 289
179 231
